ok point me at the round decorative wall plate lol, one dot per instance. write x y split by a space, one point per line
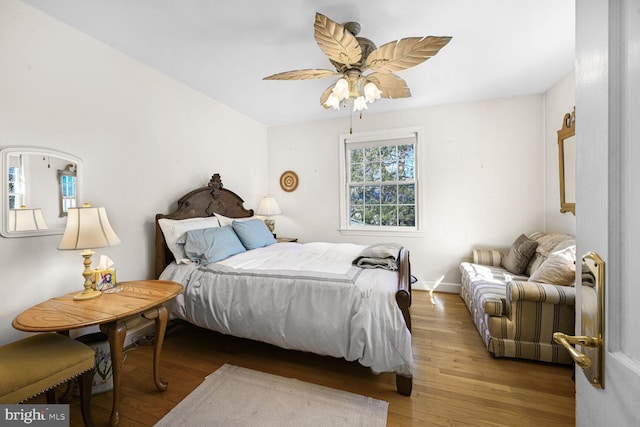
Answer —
289 181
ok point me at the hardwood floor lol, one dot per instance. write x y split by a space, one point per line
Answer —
456 382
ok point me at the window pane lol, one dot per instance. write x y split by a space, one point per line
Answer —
388 153
372 215
357 172
407 216
372 154
405 162
372 172
389 216
389 194
356 215
406 194
372 195
357 196
389 172
356 156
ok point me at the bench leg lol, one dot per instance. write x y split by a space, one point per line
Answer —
85 383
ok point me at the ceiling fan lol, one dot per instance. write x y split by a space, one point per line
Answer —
352 56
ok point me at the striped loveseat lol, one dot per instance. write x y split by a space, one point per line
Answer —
517 312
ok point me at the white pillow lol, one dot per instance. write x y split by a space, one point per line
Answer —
173 229
224 220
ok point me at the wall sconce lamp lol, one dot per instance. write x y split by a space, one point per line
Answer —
269 207
87 228
24 219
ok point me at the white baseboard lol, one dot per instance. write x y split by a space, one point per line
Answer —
450 288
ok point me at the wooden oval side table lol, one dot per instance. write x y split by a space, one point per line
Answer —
110 311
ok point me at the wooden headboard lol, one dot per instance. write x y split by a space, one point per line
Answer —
199 203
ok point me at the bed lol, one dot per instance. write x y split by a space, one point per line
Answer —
286 293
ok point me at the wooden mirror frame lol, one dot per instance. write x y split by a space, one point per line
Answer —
568 131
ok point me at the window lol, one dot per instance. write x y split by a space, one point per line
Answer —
68 188
15 181
379 181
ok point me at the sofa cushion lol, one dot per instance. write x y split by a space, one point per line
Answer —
487 256
547 242
486 286
519 255
560 266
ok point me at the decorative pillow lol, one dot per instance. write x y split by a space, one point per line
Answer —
173 229
546 244
559 268
225 220
208 245
253 233
519 254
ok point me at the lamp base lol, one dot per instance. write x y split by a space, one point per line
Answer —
271 225
87 294
90 290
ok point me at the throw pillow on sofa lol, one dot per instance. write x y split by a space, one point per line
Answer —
560 266
519 254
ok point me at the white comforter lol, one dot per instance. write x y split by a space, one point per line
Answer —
305 297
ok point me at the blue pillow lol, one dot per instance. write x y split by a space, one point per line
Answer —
208 245
253 233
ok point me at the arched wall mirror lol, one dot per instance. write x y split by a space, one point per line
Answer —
567 156
39 185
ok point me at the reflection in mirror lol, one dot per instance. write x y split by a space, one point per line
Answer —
567 163
39 185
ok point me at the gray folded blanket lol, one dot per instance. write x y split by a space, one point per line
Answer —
381 255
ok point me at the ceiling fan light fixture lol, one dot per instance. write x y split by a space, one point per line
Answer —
360 103
371 92
341 89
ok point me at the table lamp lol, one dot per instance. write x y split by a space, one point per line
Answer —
269 207
24 219
87 228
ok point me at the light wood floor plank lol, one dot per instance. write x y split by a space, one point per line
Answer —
456 383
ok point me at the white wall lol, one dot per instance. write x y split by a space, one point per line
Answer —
483 175
144 139
559 100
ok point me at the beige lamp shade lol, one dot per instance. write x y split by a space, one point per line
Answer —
268 207
24 219
87 228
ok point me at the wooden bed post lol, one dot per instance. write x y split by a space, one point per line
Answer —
404 384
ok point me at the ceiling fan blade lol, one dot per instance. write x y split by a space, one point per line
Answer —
301 75
390 85
336 42
404 53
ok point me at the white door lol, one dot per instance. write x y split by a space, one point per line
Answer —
608 197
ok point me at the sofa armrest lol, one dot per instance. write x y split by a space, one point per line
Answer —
540 292
485 256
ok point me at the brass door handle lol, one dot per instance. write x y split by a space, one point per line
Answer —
565 340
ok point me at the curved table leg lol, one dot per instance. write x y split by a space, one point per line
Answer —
116 332
160 315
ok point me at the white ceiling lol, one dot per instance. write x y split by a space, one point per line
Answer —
223 48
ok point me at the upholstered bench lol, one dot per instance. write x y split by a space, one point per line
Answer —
39 363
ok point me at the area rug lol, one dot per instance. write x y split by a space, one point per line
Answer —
234 396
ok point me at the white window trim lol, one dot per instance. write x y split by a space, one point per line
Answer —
345 227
